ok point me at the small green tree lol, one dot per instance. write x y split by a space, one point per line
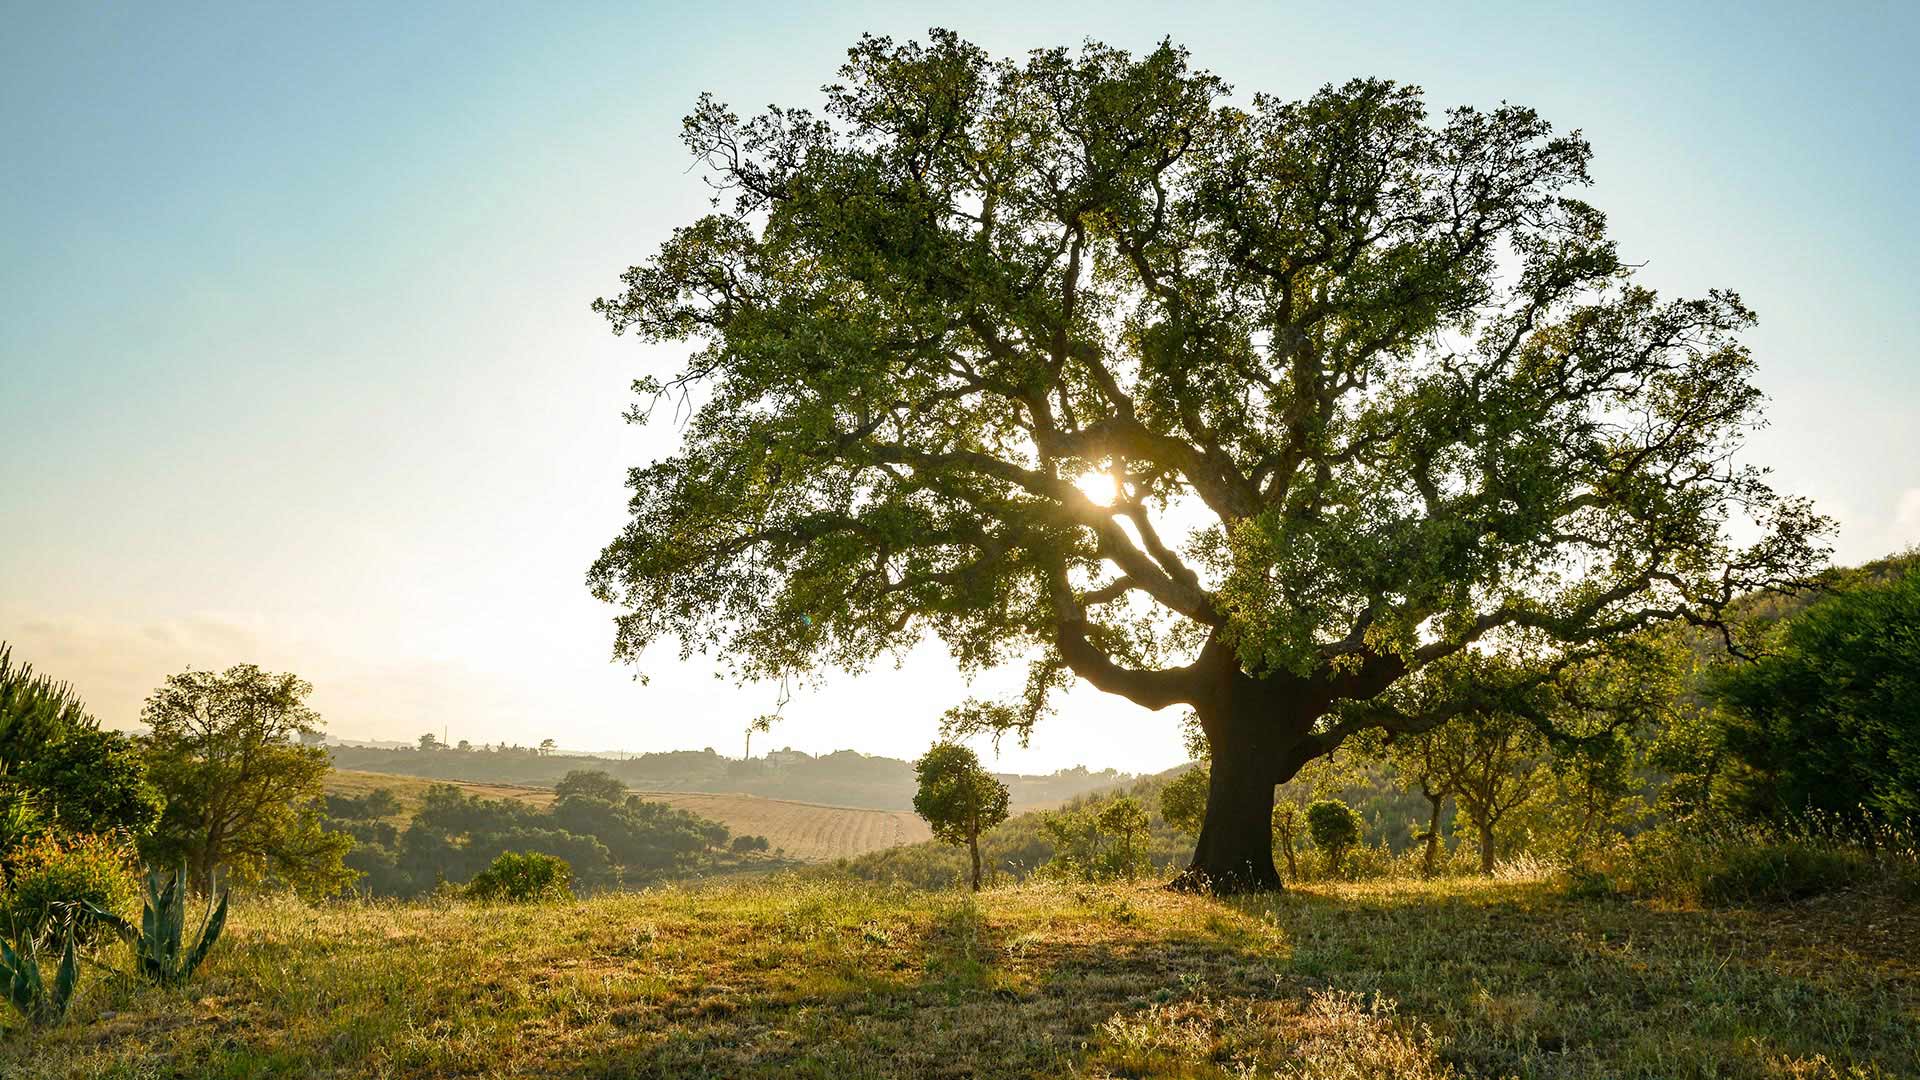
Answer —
522 877
1493 764
1412 758
241 791
1123 820
1183 801
1322 778
590 784
959 799
1334 828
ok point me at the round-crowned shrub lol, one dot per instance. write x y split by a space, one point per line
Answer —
520 876
1334 828
55 877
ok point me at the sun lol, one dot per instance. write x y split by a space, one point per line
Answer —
1098 486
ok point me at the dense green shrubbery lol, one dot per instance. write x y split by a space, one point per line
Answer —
55 878
1101 841
59 770
1779 872
454 836
1829 720
523 876
1334 828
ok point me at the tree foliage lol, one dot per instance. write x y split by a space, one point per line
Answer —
1829 720
59 769
592 784
241 791
522 877
1183 801
1266 409
1101 840
958 798
1334 828
454 836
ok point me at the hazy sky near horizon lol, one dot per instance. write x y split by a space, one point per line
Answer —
296 365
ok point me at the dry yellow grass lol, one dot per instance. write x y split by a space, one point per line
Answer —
408 790
809 832
812 976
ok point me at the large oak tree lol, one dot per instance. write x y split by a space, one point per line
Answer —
1274 410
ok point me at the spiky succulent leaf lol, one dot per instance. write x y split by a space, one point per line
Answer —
209 933
64 981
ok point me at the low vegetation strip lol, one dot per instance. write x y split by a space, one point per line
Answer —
790 977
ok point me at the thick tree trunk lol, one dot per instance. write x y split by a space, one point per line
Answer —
1235 850
1486 847
973 842
1255 730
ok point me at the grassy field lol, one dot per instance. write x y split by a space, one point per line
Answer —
408 790
809 832
812 977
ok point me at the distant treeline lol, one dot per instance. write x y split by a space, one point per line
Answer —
842 778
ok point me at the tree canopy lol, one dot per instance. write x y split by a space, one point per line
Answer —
1263 407
68 771
242 792
959 799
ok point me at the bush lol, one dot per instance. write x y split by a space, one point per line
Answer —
1829 720
1102 840
743 844
1334 828
523 876
1377 861
53 877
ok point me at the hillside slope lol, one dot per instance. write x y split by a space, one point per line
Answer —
843 778
827 979
809 832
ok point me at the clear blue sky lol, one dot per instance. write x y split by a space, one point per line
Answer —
296 364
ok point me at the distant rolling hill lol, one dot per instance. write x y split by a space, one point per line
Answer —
810 832
843 778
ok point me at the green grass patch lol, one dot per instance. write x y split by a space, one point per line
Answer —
806 977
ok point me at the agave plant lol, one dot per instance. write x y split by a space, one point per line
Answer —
27 989
158 942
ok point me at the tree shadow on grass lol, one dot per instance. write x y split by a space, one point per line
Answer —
1100 981
1504 981
988 997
